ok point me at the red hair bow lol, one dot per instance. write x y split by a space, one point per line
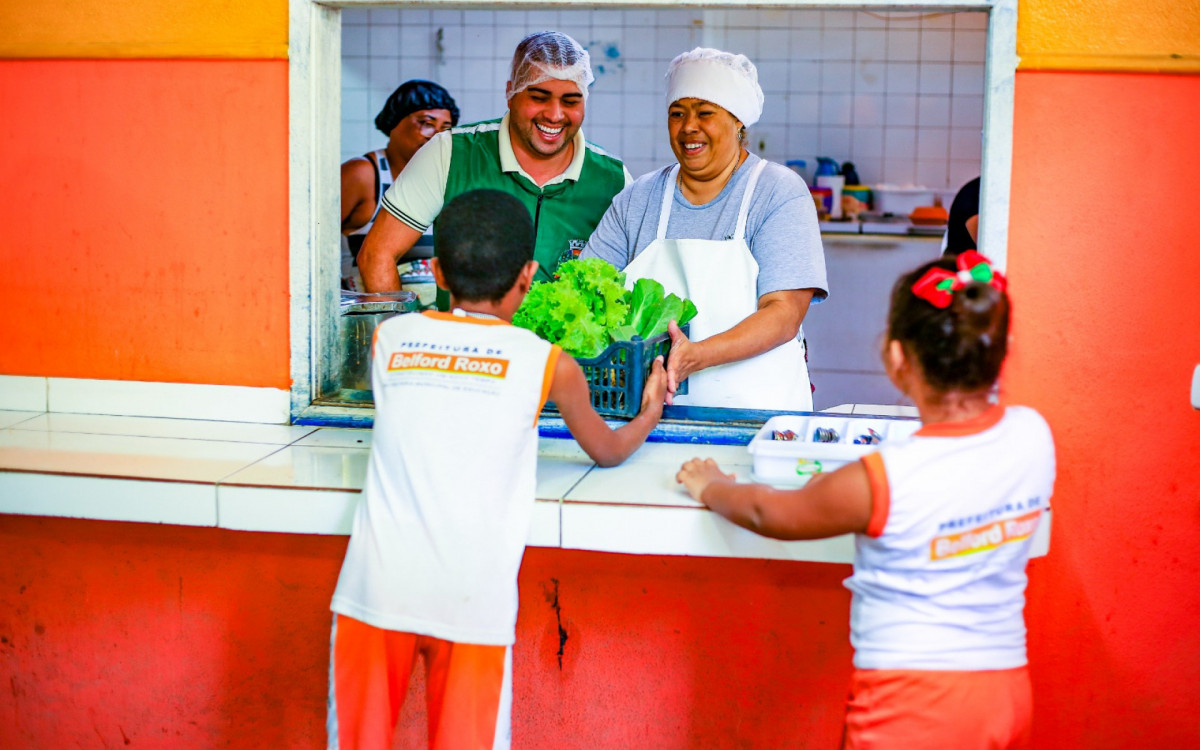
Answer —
938 285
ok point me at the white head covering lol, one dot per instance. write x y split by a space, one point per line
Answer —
726 79
549 54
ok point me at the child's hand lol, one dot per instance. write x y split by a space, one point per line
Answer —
655 391
696 475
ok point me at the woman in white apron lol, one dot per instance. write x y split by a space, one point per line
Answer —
414 113
732 232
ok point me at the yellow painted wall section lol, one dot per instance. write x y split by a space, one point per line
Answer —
1146 35
143 28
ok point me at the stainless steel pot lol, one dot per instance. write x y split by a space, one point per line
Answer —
361 312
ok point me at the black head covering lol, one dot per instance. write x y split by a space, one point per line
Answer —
414 96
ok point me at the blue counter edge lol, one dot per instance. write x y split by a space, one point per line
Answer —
680 424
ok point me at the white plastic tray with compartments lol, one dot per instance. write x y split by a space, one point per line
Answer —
794 462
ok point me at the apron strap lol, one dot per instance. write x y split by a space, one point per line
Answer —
664 214
744 211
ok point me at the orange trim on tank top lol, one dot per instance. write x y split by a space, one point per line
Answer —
972 426
881 493
548 378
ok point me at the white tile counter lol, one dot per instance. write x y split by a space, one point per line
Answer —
256 477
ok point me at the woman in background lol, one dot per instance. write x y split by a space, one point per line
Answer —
414 113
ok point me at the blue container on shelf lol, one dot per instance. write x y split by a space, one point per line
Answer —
827 167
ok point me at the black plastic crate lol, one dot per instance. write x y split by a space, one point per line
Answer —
617 377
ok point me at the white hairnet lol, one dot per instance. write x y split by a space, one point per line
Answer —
549 54
726 79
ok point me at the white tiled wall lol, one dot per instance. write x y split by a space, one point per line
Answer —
899 94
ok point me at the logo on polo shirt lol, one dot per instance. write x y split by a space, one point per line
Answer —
572 250
983 538
455 364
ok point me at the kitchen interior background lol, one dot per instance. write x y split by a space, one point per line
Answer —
898 94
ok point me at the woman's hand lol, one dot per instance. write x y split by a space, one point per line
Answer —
697 474
682 361
776 321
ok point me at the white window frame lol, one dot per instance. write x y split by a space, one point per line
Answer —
314 134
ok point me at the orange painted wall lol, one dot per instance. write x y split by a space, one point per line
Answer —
148 636
144 228
143 28
1103 265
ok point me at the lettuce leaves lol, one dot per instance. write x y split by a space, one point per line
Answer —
587 307
651 309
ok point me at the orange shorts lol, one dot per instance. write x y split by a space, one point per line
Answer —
468 690
935 710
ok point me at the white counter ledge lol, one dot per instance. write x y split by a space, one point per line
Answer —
307 480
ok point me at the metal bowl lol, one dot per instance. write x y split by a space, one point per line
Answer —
361 312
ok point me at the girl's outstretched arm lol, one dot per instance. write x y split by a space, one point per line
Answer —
829 505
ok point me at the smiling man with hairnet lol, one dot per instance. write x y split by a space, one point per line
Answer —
535 152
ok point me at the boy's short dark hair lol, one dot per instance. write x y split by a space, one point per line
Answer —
483 239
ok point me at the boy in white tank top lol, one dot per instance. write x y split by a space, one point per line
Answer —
437 541
943 524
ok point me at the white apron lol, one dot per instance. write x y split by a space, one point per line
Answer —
721 277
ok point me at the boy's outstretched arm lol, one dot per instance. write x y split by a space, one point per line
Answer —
607 447
829 505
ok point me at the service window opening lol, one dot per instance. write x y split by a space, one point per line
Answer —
902 95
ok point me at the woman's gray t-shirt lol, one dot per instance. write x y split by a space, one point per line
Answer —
781 228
